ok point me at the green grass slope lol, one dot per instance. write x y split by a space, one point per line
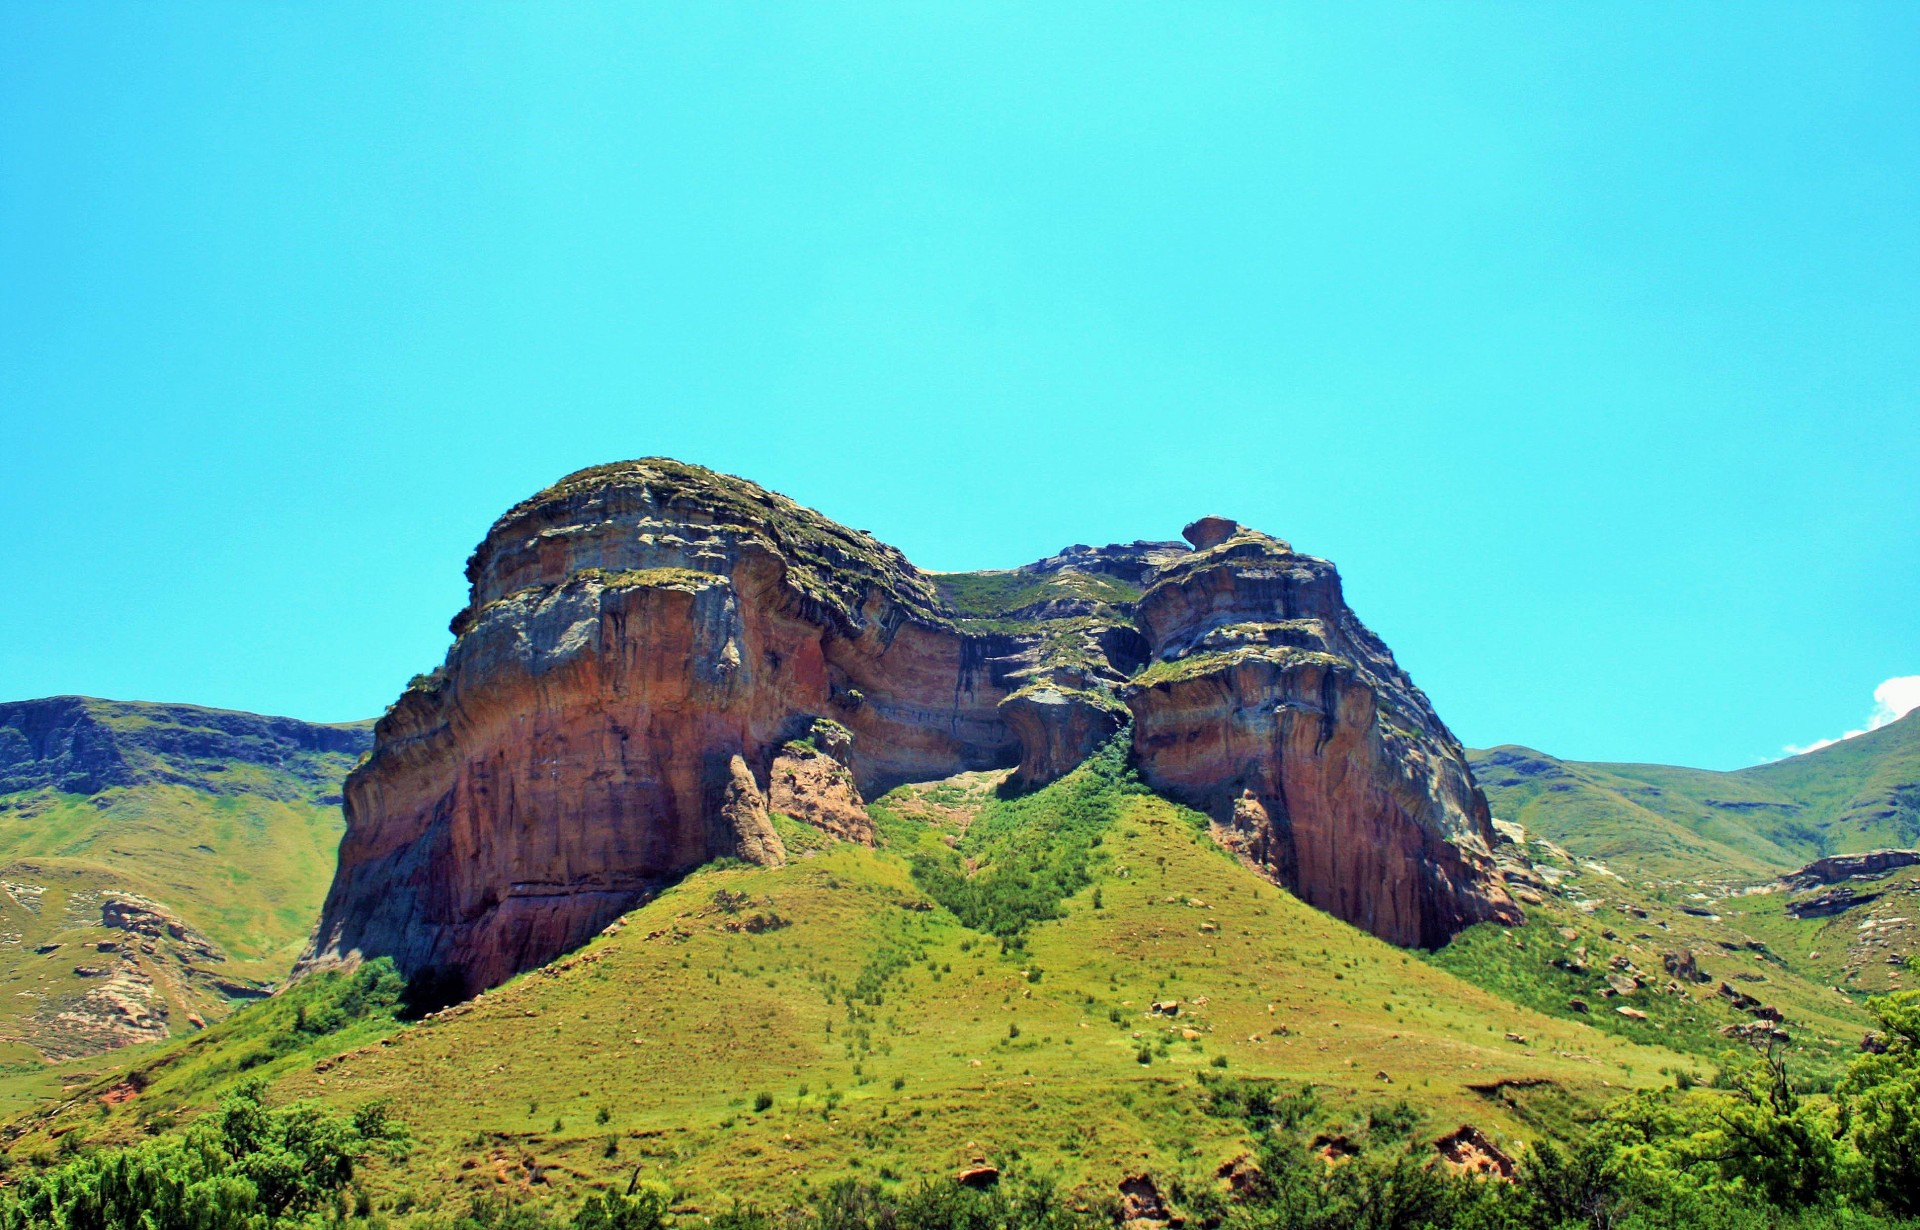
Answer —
1861 793
184 879
753 1032
1675 824
1646 862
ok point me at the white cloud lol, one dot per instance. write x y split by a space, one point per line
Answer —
1892 700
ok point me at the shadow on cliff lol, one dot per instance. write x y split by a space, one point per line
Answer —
430 990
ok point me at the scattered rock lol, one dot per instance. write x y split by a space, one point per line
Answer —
1140 1201
1681 964
1239 1172
1468 1149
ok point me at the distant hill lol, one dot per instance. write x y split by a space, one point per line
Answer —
1668 823
157 864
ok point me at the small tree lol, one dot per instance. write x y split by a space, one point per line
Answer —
1881 1094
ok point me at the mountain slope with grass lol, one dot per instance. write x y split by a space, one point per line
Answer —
1685 880
158 864
969 992
1668 823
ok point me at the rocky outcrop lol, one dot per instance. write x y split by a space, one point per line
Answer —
811 783
1867 865
1269 706
656 662
1836 900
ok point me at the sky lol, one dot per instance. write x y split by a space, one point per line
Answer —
1584 338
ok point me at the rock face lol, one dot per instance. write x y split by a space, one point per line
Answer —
1836 868
657 662
1269 706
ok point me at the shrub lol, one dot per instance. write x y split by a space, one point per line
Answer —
1037 850
244 1166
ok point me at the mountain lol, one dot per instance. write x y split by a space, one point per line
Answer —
158 864
728 849
659 666
755 1029
1753 862
1668 823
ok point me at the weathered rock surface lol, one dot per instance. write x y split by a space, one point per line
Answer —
1269 706
1836 900
657 660
809 782
1836 868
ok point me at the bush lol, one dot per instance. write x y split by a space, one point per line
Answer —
1037 850
245 1166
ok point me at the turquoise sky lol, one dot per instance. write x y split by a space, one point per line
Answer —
1585 338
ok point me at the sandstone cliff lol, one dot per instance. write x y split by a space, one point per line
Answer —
656 660
1270 706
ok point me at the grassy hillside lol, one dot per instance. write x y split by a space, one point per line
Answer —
753 1032
1643 964
183 880
1051 984
1647 862
1616 819
1861 793
1658 822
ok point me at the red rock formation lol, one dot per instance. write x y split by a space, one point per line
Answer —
640 642
655 658
810 783
1272 708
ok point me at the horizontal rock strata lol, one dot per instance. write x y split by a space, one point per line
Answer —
657 664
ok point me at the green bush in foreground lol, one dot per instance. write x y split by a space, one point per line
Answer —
245 1167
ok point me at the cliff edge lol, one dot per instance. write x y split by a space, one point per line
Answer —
659 665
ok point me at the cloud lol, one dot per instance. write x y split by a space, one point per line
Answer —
1892 700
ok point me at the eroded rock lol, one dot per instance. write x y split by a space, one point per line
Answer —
655 660
1269 706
